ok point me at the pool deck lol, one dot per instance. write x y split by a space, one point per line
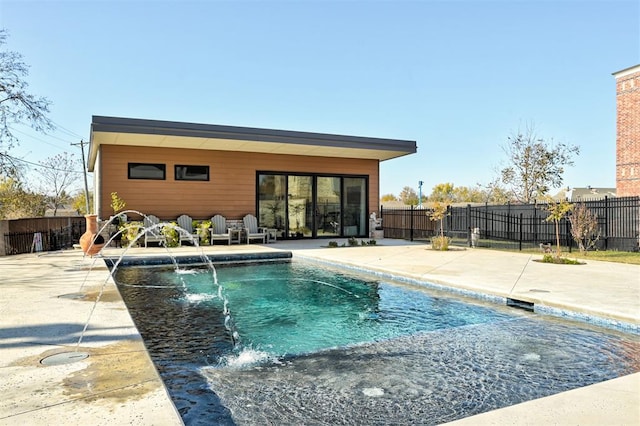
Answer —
47 298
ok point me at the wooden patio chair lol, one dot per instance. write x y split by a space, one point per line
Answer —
253 231
153 235
185 222
219 229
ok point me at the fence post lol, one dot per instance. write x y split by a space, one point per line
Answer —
486 218
411 225
469 225
535 224
606 222
520 238
4 229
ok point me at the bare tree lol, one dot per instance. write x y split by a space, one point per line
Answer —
17 106
535 164
57 174
584 227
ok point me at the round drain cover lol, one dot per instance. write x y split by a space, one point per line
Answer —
64 358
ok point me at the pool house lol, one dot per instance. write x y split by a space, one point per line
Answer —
298 184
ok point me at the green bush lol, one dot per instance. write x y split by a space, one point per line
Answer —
333 244
203 229
550 258
130 231
353 242
171 235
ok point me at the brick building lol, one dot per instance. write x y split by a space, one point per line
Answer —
628 131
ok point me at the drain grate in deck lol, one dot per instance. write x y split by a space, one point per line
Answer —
520 304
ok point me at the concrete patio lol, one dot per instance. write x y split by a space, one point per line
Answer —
47 298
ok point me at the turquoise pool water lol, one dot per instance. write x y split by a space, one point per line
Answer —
287 309
320 346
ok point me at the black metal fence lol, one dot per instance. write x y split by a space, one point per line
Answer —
519 226
43 240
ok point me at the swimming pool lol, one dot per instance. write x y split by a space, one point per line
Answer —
327 347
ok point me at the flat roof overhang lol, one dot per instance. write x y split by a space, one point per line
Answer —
171 134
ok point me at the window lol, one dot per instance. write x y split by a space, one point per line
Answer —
192 172
147 171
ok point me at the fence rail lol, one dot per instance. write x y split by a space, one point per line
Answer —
522 225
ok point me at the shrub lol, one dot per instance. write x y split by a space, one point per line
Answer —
203 230
353 241
117 203
333 244
130 231
550 258
440 242
171 234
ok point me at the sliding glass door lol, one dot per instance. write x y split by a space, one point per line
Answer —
310 206
328 206
355 207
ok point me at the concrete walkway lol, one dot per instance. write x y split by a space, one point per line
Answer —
46 300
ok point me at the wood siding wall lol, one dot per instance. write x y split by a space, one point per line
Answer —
230 191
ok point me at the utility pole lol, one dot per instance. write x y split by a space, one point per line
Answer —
420 192
84 170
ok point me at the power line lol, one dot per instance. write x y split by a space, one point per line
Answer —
39 165
67 131
41 140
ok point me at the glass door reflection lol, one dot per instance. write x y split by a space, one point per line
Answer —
300 212
328 211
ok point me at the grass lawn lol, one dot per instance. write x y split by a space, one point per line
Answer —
606 256
632 258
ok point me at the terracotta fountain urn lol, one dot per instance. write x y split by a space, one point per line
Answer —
91 235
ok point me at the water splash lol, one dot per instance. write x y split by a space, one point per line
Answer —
248 357
228 323
187 271
197 298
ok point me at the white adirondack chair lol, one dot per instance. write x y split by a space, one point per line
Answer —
254 232
153 235
219 229
185 222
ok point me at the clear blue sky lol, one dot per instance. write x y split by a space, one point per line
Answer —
458 77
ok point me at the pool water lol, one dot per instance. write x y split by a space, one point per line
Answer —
317 346
291 309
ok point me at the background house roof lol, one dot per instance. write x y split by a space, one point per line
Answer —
584 194
171 134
